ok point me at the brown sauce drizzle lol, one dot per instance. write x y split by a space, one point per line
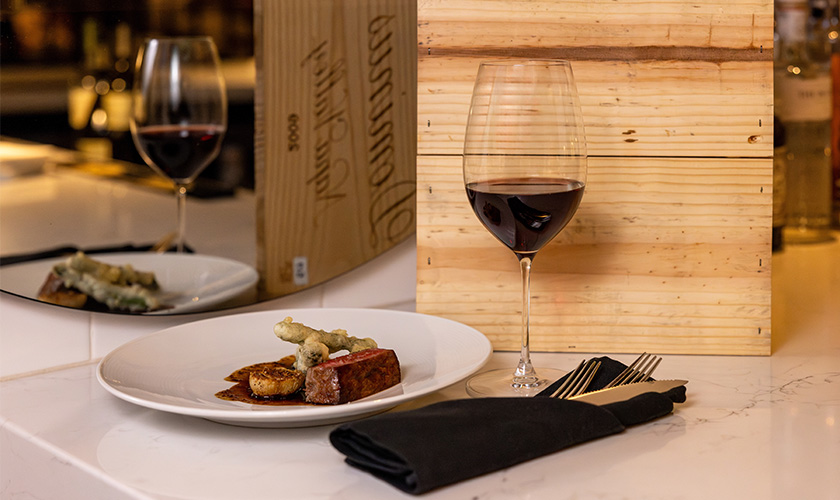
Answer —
242 390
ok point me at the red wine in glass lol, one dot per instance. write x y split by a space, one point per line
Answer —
525 213
179 111
180 152
524 167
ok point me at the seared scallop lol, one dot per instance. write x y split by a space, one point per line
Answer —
276 382
243 374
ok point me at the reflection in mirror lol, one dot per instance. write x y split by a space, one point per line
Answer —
70 177
53 213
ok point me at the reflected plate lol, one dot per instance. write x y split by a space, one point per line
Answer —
18 159
189 283
180 369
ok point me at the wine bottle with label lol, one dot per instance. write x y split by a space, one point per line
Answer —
803 90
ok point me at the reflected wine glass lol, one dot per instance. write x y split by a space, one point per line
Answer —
524 173
179 111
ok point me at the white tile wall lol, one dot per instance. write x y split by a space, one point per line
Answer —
35 336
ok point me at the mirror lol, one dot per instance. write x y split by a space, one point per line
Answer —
344 98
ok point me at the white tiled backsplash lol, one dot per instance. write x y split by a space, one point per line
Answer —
36 337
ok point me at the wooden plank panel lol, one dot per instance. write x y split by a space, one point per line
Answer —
664 254
670 250
631 31
335 136
630 108
478 24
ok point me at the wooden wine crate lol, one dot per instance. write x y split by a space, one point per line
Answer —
335 136
669 251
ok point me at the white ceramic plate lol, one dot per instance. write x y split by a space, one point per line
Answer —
189 282
180 369
22 159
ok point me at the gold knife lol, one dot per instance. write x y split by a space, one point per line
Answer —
625 392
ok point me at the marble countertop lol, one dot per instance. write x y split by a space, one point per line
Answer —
116 213
752 428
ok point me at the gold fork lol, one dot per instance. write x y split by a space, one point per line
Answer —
639 371
578 380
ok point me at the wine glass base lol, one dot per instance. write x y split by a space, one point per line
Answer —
499 383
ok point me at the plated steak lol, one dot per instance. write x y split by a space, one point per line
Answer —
351 377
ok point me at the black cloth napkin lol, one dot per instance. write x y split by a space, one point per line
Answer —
443 443
68 250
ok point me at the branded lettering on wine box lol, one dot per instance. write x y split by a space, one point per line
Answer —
336 140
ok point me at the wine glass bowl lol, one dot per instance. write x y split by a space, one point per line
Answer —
524 168
179 111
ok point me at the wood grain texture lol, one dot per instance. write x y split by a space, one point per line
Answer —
335 136
669 251
505 25
630 108
660 247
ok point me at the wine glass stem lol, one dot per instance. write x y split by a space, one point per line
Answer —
525 373
181 192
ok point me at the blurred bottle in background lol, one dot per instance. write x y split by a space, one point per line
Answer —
31 32
117 102
803 92
86 110
779 184
824 40
832 32
99 101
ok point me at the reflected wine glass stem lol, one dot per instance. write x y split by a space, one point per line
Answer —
181 192
524 375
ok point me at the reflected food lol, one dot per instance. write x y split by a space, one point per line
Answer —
82 282
188 283
311 376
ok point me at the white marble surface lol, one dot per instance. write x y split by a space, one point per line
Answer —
752 428
43 211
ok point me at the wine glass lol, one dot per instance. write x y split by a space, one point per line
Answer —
524 173
179 111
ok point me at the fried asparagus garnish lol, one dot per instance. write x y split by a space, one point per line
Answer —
118 287
315 346
116 275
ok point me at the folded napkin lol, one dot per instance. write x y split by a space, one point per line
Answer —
66 251
443 443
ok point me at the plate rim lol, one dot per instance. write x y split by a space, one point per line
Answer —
254 278
317 415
